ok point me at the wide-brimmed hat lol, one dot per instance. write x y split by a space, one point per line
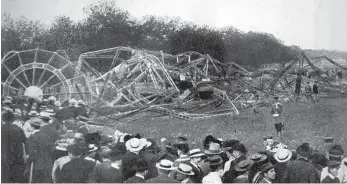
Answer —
214 149
45 115
72 101
165 165
257 157
283 155
266 167
36 122
304 150
80 102
215 160
52 98
33 113
141 164
243 165
136 144
185 169
180 140
196 153
57 103
336 150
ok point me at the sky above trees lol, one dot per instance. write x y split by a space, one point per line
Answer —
313 24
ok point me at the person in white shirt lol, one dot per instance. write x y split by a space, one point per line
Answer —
336 153
215 175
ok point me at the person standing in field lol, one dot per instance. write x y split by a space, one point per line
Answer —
276 111
315 91
308 92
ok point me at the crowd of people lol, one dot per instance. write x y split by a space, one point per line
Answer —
30 132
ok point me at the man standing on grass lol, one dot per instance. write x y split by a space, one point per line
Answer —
315 91
276 111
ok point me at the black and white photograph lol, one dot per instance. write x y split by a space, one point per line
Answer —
174 91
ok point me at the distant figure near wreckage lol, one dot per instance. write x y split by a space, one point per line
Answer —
276 111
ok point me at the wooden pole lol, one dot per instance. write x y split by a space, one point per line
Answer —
31 172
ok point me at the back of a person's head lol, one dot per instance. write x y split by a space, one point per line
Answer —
7 116
240 147
75 150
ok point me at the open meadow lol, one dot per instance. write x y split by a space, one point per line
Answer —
304 122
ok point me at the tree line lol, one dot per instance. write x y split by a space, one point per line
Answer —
108 26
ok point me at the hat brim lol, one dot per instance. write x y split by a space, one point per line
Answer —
139 148
218 163
243 169
197 155
164 168
208 152
262 158
191 173
290 154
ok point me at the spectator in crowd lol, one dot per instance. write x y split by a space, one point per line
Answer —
258 160
12 150
141 169
164 168
110 171
238 151
134 146
77 170
182 147
268 173
183 173
308 92
195 160
39 154
335 153
301 170
81 110
333 168
215 175
242 169
48 127
282 157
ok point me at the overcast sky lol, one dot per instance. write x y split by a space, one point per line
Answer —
314 24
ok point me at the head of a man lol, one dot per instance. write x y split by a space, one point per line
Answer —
74 151
7 117
333 167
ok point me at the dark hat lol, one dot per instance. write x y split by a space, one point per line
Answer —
75 149
240 147
215 160
304 150
256 158
266 167
141 164
333 164
243 165
227 144
336 150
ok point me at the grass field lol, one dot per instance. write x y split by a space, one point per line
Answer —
304 122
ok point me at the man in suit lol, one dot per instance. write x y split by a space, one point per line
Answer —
164 168
12 155
301 170
134 146
48 127
78 169
39 153
141 168
195 159
333 168
110 171
184 173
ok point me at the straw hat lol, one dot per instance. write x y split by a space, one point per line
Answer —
214 149
185 169
80 102
165 165
196 153
36 122
283 155
136 144
57 103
